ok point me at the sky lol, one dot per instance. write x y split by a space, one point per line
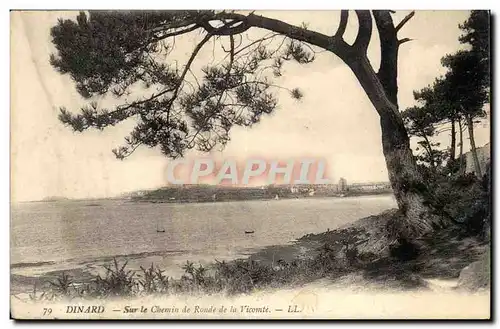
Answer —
334 121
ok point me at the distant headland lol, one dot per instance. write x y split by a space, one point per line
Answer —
220 193
188 193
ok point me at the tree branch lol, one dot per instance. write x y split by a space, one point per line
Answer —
124 152
364 32
175 33
183 75
188 66
228 73
388 70
334 44
175 89
404 21
400 42
337 46
344 16
227 29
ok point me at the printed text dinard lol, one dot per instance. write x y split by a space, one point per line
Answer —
195 309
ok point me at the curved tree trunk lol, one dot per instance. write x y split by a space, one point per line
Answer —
453 143
406 180
452 162
409 187
461 158
381 88
429 151
470 127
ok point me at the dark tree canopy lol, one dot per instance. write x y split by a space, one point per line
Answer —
469 70
477 34
114 52
422 122
466 80
460 94
464 89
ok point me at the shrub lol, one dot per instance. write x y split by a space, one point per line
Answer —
153 280
117 281
36 296
62 285
465 199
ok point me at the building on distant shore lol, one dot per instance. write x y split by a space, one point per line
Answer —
484 157
366 187
342 187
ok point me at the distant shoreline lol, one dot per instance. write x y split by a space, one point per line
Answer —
268 198
95 202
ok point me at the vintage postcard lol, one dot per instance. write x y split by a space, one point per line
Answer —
250 164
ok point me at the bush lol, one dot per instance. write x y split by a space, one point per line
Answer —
117 281
465 199
235 277
153 280
62 285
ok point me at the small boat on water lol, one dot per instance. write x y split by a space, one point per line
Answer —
158 230
249 232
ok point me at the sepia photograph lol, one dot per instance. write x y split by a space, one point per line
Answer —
250 164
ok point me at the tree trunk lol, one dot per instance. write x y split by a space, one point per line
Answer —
461 158
470 127
381 88
452 162
406 180
429 151
453 144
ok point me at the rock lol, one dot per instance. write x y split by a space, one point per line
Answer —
413 281
476 276
405 250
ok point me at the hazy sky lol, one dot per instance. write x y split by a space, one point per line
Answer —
334 120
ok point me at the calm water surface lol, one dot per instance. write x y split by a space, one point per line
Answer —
79 231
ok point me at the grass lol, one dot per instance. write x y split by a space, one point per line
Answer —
234 277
